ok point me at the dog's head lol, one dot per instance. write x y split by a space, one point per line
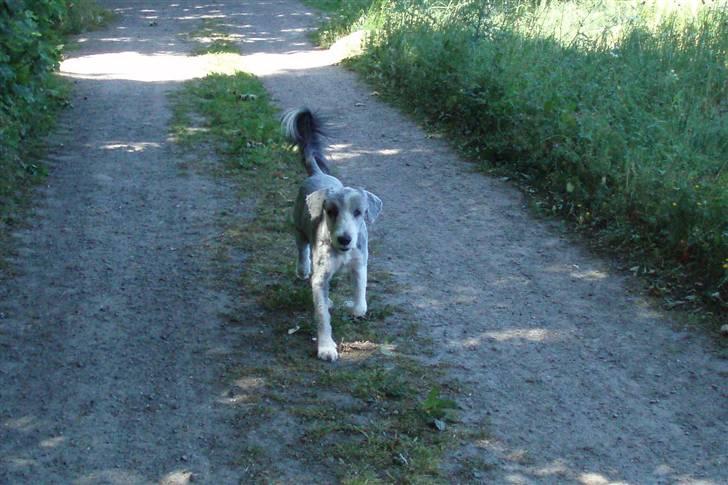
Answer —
344 211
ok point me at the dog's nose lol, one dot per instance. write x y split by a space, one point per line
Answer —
344 240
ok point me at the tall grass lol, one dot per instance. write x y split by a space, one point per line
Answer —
615 112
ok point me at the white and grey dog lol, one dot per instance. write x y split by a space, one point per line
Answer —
330 225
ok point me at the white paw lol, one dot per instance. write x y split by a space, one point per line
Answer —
358 310
327 351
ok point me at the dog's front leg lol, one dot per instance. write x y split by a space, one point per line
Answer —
358 307
320 288
303 264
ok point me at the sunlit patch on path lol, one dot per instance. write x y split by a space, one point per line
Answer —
164 67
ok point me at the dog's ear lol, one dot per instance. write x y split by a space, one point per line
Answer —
315 202
374 206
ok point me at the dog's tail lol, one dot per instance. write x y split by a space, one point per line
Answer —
305 130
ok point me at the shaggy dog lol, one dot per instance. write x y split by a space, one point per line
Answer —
330 224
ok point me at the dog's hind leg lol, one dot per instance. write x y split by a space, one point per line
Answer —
303 266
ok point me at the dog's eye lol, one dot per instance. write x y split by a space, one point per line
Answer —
357 213
332 212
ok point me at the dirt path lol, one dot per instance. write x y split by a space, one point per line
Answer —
108 327
112 344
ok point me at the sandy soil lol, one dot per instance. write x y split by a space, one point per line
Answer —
111 342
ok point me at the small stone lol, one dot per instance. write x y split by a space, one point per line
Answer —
724 330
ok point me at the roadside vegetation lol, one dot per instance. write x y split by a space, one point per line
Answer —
611 114
32 36
378 414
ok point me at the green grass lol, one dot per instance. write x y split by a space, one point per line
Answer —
612 114
375 421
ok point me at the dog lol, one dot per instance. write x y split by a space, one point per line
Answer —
330 222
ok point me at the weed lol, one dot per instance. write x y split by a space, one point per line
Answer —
436 407
286 297
370 382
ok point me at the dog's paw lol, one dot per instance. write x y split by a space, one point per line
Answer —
302 273
303 268
358 310
327 351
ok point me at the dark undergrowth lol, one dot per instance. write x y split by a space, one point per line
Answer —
612 115
31 95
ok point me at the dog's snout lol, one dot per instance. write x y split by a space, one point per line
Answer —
344 239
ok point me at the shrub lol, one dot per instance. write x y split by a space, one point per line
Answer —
31 33
615 113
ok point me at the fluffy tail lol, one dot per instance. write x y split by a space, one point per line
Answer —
303 129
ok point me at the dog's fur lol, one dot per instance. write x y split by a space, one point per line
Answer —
330 225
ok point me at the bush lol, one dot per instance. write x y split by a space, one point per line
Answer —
29 53
618 118
31 33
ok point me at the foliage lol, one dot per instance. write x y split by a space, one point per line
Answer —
613 112
436 407
32 34
344 17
